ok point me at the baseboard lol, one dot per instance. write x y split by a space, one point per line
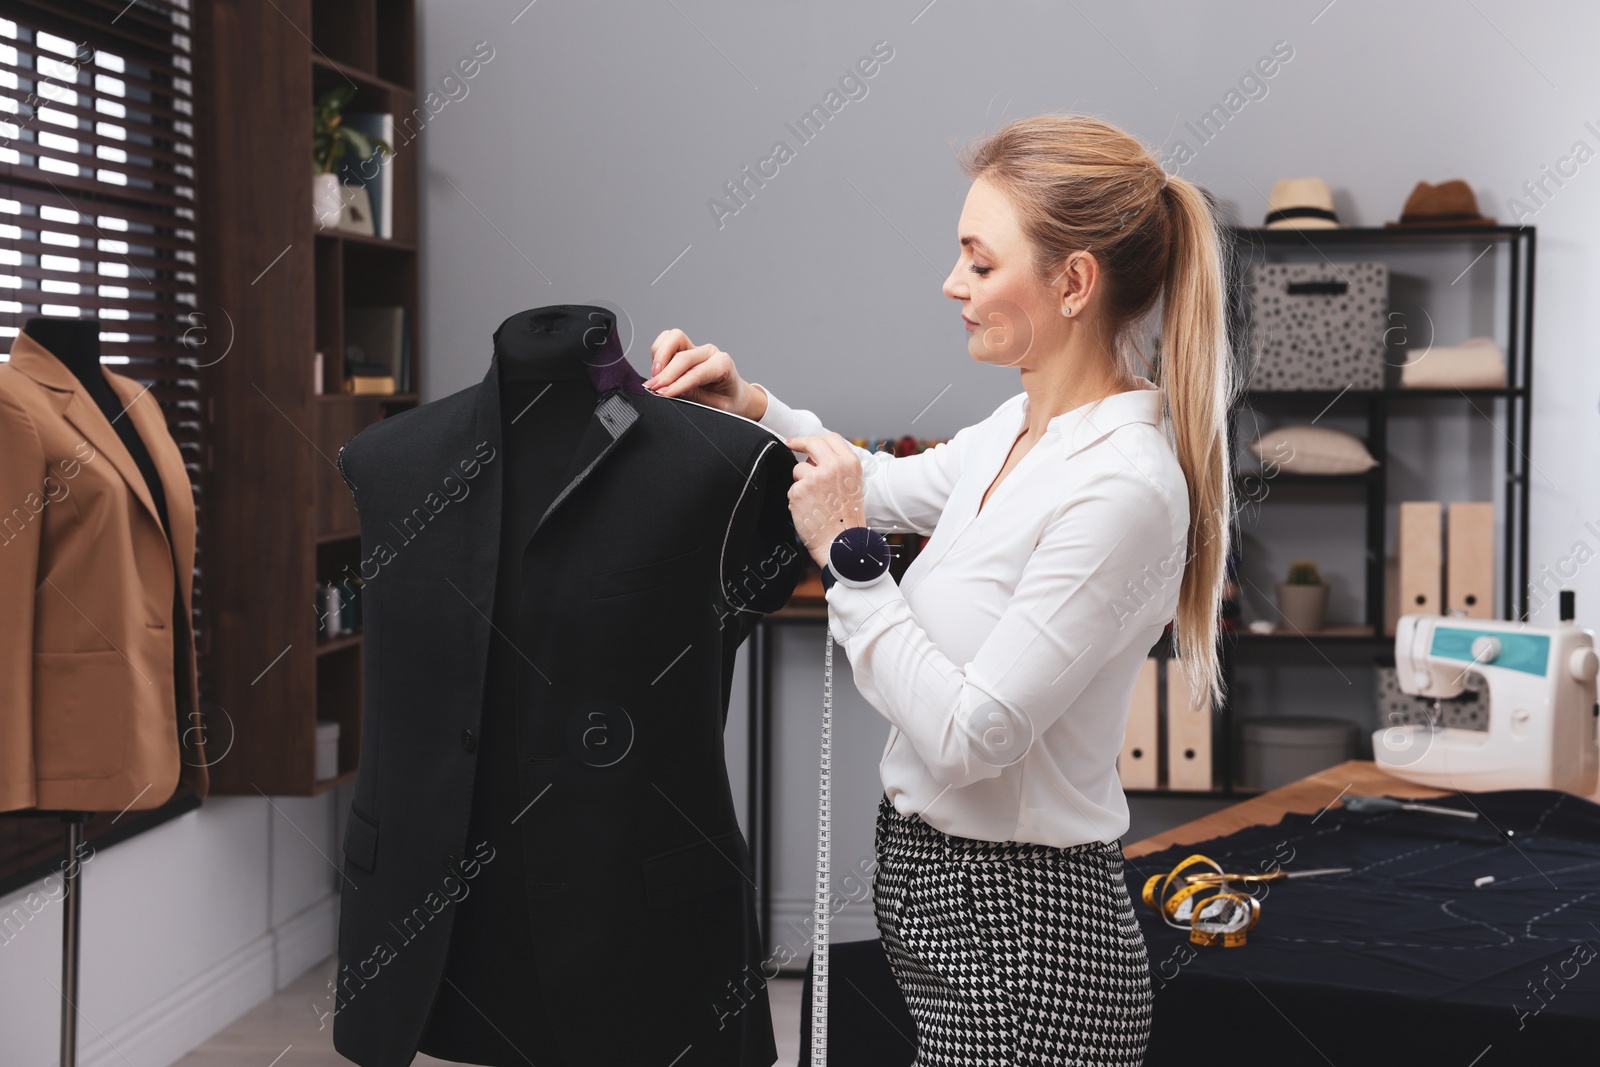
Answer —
173 1026
307 939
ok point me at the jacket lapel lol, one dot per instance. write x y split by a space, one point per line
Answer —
614 415
34 360
482 571
151 424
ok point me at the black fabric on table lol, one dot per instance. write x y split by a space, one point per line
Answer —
1402 960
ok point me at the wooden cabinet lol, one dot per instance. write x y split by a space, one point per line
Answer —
280 518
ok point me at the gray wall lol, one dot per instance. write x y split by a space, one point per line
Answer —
578 164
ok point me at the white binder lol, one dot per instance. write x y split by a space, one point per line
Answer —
1188 733
1139 765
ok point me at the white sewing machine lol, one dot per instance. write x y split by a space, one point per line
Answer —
1540 684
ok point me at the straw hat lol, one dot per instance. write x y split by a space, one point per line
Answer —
1301 204
1449 203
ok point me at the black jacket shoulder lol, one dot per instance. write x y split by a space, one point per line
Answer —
409 438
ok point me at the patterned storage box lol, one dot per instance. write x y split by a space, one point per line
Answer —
1317 325
1469 711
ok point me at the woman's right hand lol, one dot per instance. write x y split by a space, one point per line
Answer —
702 373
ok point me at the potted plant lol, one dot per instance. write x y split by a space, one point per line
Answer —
331 138
1303 597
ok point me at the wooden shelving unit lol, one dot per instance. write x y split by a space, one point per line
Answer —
281 517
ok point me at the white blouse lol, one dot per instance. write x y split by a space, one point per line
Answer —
1005 660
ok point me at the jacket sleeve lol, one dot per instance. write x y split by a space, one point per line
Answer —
23 496
970 721
762 559
899 493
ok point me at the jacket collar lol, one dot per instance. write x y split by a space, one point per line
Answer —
36 361
79 408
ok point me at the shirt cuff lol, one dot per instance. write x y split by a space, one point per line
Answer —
782 419
860 611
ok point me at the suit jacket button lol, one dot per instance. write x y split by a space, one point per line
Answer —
450 864
469 741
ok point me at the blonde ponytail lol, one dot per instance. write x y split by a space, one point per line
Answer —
1079 183
1196 375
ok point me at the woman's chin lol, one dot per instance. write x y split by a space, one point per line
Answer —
980 354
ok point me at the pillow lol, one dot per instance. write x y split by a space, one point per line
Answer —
1308 449
1475 363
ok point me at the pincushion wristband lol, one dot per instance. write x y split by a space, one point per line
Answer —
857 557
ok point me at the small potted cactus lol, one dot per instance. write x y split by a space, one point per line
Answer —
1303 597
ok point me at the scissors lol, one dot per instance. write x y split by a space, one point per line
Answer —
1212 877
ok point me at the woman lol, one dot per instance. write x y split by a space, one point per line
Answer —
1068 528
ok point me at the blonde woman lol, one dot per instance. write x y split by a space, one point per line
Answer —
1068 528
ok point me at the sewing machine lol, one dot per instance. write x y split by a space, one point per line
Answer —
1540 684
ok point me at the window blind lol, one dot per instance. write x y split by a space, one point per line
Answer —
98 197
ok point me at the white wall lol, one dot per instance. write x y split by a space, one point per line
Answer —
184 928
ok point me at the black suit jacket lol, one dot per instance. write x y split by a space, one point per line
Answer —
670 538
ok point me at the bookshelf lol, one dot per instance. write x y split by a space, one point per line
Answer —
282 521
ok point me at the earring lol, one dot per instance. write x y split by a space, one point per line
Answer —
1066 311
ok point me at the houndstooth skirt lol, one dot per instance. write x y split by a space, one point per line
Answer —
1011 953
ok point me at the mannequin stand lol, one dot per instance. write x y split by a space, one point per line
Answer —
106 832
71 919
69 938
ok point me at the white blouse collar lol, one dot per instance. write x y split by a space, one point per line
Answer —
1090 422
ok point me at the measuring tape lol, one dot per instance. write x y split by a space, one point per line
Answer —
1224 917
819 949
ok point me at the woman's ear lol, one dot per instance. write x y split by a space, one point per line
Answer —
1075 283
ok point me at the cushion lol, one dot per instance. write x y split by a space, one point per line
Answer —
1475 363
1308 449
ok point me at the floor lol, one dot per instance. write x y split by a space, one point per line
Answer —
287 1031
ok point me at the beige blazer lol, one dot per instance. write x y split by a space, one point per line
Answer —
92 598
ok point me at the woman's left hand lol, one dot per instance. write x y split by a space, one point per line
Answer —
826 496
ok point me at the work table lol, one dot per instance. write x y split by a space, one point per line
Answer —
1475 935
1308 795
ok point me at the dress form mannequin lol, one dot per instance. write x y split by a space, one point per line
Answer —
547 397
664 515
76 343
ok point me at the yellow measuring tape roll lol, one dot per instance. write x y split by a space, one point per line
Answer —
1221 916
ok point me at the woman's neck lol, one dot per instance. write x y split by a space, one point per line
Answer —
1061 385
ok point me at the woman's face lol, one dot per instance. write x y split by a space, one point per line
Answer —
1010 315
